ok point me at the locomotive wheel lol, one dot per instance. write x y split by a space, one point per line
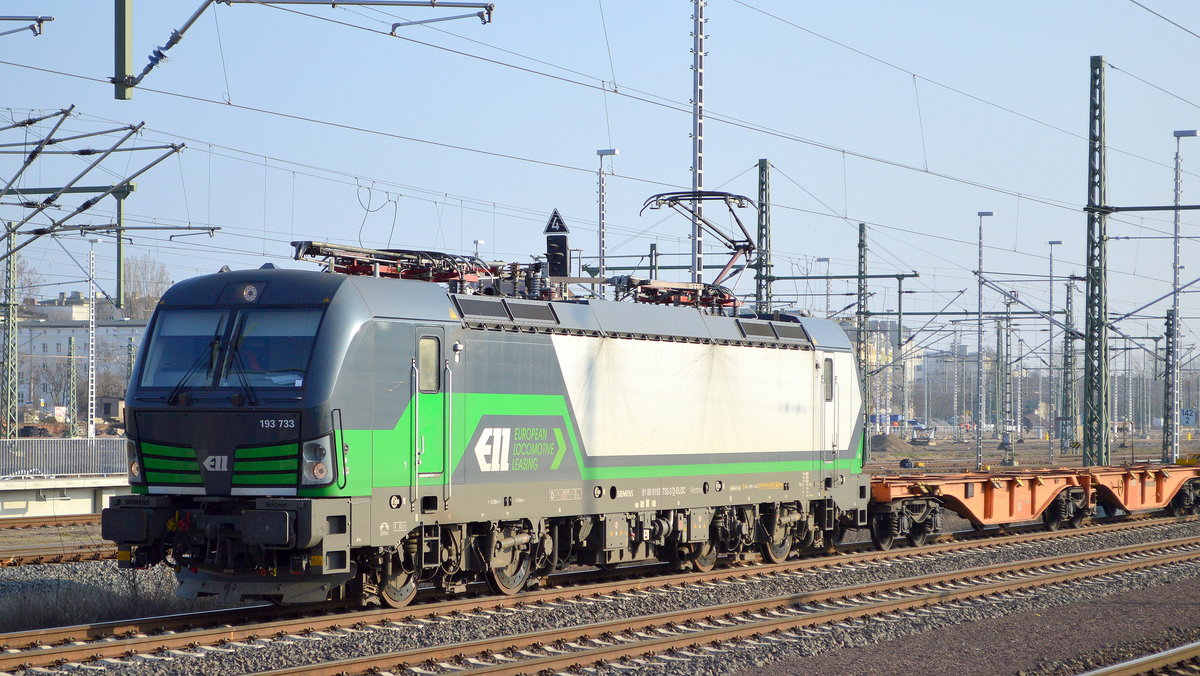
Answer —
777 549
510 579
703 557
881 534
918 535
398 591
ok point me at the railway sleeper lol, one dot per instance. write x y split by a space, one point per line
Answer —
913 518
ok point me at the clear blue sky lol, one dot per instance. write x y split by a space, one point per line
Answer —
460 131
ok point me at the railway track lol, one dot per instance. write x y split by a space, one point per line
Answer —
113 640
25 522
698 633
1184 659
55 553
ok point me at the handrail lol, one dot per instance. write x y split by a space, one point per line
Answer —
447 430
414 402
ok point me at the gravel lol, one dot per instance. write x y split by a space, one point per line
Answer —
1052 634
270 654
50 595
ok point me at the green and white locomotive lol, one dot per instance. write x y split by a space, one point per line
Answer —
296 435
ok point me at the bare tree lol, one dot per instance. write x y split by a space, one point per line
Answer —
28 281
146 279
53 377
110 384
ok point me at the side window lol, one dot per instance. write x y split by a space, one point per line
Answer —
428 361
827 376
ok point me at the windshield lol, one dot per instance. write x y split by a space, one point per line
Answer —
183 349
197 348
271 348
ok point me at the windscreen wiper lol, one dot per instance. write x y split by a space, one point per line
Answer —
173 397
240 366
210 355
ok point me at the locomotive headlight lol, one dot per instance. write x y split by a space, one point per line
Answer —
315 470
135 466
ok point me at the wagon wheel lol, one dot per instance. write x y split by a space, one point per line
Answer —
776 549
1182 503
1050 518
918 535
1077 520
703 556
839 534
807 538
509 579
882 535
398 591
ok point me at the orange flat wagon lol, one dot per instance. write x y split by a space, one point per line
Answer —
911 505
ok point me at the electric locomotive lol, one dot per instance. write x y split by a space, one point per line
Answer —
409 419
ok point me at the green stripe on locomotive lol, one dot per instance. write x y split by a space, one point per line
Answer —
389 452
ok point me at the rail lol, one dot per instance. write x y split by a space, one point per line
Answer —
48 647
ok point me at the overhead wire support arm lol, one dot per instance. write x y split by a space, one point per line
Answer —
87 204
35 26
128 80
1106 209
33 154
1048 317
49 201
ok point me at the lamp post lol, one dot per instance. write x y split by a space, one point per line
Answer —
828 287
979 353
1053 426
602 153
1172 453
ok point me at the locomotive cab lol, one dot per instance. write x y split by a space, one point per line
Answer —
236 460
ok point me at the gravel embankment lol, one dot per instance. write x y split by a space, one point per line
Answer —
1057 633
290 652
37 596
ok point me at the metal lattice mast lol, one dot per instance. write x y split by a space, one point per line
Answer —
1069 411
130 355
9 419
71 403
91 356
957 389
860 326
1129 393
1018 391
1053 427
698 138
901 363
1096 443
1168 438
998 382
1006 378
763 284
